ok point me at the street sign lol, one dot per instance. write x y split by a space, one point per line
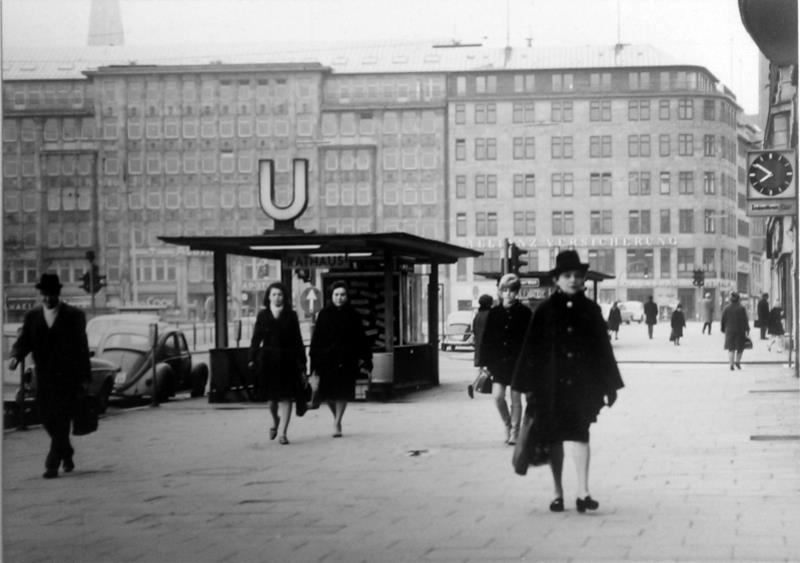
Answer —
311 300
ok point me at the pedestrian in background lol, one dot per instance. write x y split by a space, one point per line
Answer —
567 368
762 312
478 326
707 311
506 324
278 357
650 315
736 326
677 322
775 328
55 334
340 352
614 319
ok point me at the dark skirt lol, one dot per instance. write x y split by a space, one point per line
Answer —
734 341
335 386
571 419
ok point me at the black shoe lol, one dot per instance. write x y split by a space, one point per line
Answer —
557 505
731 368
738 365
587 503
50 474
68 464
283 440
471 391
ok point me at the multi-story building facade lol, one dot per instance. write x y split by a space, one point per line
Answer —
617 152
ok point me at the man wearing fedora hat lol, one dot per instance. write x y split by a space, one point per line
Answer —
567 369
56 335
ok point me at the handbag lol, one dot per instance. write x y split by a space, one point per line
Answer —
533 445
302 396
748 344
483 382
85 415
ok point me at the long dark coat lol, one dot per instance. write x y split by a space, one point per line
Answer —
614 319
278 352
650 313
338 348
678 322
478 329
775 327
566 363
735 325
61 357
762 310
502 340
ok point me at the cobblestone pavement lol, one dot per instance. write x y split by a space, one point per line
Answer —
694 462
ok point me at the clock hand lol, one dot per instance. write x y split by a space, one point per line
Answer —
768 172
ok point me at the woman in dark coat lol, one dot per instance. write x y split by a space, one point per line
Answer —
568 369
339 352
278 357
775 328
502 339
678 322
478 328
614 319
736 326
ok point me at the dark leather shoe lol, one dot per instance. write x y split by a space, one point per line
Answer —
471 391
68 465
50 474
557 505
587 503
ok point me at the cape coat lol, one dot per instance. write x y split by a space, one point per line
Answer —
566 349
339 348
278 352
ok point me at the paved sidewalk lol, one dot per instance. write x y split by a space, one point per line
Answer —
426 478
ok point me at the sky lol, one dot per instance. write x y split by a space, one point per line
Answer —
708 33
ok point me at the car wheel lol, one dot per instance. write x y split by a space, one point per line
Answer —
199 379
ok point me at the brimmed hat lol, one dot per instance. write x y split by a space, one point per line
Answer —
49 283
566 261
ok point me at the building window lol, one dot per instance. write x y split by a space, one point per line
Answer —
638 145
639 110
663 110
461 149
685 108
562 82
485 149
639 80
461 224
709 183
461 85
600 82
600 222
686 182
663 145
600 146
461 114
524 148
709 145
561 112
561 147
601 260
639 183
639 263
563 223
710 261
562 184
686 263
709 110
600 110
686 221
666 263
709 222
461 187
665 225
524 185
686 144
600 183
639 221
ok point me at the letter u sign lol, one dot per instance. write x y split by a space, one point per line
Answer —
283 216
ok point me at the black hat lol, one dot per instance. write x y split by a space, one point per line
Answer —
49 283
566 261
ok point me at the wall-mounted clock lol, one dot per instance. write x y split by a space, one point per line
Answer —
770 173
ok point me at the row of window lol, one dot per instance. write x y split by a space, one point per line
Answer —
562 184
562 111
601 222
600 146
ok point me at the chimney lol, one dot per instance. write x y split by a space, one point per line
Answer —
105 24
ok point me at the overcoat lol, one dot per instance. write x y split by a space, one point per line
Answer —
677 322
478 329
277 350
707 309
762 310
614 319
338 348
61 357
502 340
650 313
566 363
775 327
735 325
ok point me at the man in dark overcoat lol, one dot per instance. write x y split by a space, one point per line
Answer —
650 315
762 311
55 334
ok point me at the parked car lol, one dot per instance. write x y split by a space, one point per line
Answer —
97 326
458 331
632 311
100 385
129 346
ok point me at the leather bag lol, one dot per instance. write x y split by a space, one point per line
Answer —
86 414
533 445
483 382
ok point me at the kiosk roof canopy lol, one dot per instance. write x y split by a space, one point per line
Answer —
276 245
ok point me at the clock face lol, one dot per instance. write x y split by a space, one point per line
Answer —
770 173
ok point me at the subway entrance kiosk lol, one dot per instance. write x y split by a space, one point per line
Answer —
394 284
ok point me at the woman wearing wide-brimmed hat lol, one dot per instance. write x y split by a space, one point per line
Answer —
502 338
568 369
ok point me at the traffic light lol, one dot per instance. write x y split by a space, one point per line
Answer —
92 281
699 278
514 262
